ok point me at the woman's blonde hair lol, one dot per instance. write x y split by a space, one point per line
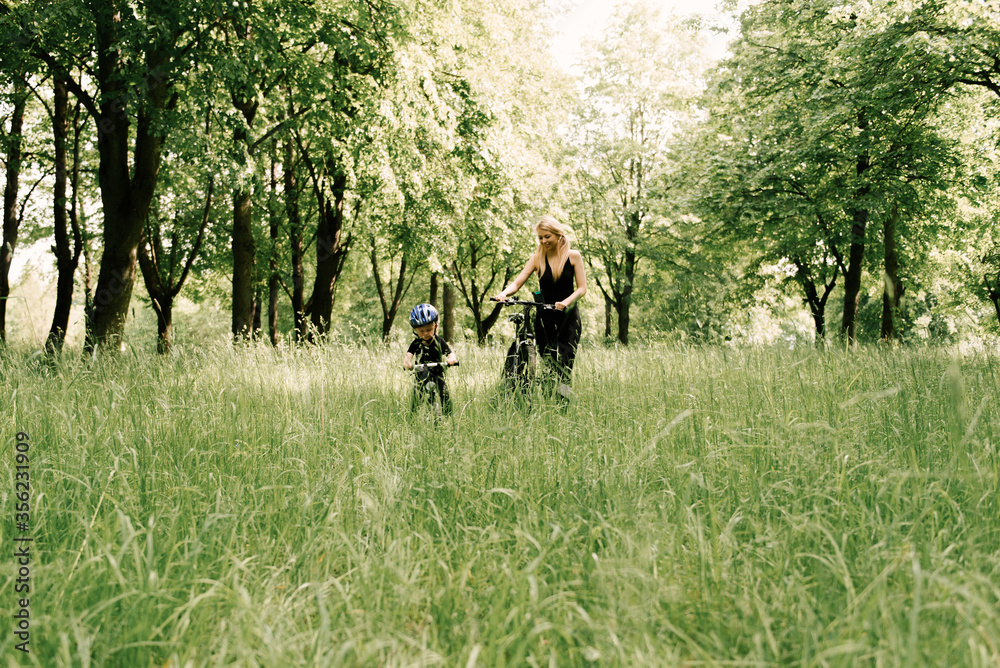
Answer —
552 226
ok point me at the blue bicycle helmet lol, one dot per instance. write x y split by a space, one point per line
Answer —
423 314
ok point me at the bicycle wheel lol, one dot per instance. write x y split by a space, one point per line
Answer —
417 399
433 392
429 394
519 365
421 383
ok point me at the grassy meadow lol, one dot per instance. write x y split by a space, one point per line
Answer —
691 507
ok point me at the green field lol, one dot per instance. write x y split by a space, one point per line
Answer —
691 507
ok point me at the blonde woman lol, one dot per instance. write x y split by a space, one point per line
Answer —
562 280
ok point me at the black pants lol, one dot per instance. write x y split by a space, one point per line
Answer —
557 334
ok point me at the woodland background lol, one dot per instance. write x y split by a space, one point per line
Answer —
204 170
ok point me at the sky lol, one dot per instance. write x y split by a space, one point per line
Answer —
587 18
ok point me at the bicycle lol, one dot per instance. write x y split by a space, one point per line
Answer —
521 361
428 389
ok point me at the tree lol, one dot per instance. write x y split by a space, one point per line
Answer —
13 141
329 184
266 48
510 103
378 117
136 59
406 216
640 81
67 173
253 57
839 134
991 278
504 151
942 45
480 272
757 205
174 232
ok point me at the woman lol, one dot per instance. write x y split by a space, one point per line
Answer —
562 280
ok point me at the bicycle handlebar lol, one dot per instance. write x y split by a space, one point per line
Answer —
518 302
430 365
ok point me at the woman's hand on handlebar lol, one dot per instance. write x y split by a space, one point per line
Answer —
560 306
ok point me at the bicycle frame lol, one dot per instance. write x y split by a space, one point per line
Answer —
522 356
427 388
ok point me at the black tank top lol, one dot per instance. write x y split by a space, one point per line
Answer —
554 290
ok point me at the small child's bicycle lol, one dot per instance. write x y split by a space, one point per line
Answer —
522 357
428 388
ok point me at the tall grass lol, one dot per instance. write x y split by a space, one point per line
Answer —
689 507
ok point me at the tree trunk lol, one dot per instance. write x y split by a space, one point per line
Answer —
625 300
298 283
993 292
485 321
623 322
852 281
67 258
389 314
243 244
163 306
273 277
11 221
390 302
115 281
272 305
433 298
609 307
126 190
116 277
331 252
816 308
856 256
243 266
258 304
893 291
448 315
295 241
819 321
816 303
476 296
159 295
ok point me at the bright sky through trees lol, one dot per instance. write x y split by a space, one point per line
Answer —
578 20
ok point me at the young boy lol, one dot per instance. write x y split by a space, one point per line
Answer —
429 347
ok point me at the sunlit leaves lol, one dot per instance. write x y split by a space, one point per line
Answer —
639 84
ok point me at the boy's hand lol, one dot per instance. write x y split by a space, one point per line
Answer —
452 360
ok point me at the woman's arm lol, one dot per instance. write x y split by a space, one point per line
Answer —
580 274
518 281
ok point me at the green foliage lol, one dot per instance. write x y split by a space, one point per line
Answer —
639 82
824 112
443 131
